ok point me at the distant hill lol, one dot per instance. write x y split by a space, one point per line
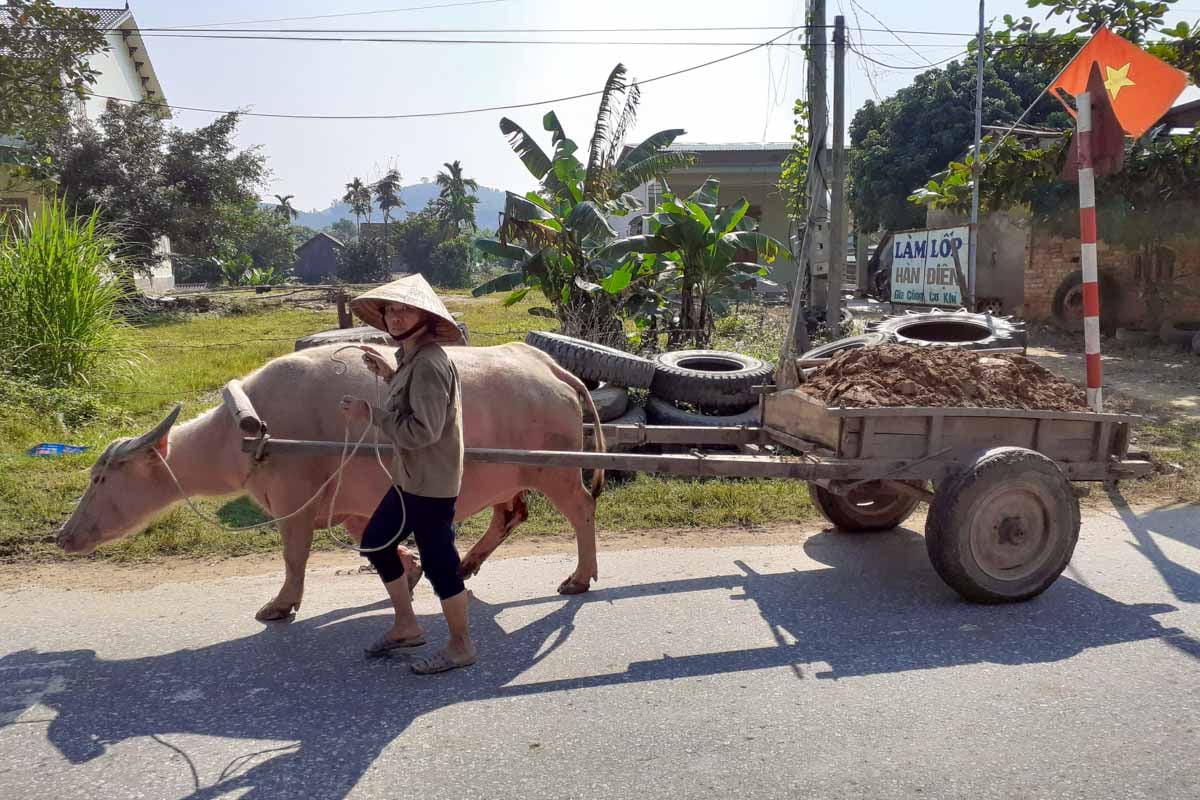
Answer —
491 203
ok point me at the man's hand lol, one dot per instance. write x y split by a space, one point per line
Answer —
355 408
377 363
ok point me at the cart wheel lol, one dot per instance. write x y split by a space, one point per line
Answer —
1004 528
865 509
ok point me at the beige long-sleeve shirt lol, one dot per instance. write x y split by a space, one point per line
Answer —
422 417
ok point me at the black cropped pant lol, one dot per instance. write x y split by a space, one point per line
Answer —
431 520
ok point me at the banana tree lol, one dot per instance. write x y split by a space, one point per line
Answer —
705 247
552 235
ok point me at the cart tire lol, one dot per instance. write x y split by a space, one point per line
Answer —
660 412
712 379
1004 528
590 361
864 510
1136 337
1179 334
611 402
636 415
1067 306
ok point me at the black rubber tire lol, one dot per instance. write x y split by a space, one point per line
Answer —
635 415
961 329
849 343
715 380
1004 493
660 412
864 511
1137 337
1067 307
611 402
1179 334
590 361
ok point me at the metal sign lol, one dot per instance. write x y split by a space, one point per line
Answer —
923 266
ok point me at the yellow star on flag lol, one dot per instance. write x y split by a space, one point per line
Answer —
1117 79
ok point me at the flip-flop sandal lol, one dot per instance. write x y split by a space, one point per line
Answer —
440 663
385 644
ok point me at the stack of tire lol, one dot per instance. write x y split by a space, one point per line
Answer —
962 329
684 387
1181 335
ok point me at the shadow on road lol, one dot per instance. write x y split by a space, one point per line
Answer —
1174 521
876 607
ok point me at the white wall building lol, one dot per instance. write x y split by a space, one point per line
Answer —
125 72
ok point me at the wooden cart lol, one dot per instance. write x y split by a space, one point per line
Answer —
1003 518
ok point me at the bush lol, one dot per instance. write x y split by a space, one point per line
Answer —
60 281
74 408
450 264
362 261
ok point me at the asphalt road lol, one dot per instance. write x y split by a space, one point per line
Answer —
839 668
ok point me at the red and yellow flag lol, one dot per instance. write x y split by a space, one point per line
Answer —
1140 87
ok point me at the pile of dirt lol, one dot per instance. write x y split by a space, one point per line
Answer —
906 375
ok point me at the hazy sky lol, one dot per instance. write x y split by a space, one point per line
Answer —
744 99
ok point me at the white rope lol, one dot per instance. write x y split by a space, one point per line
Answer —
348 453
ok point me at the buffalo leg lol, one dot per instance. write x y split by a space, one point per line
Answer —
567 494
297 534
505 519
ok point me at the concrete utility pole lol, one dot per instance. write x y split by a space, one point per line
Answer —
796 341
973 243
837 223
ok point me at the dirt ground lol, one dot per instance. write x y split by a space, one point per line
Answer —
1157 380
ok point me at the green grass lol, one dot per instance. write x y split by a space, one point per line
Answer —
186 361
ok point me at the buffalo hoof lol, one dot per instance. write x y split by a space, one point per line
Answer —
573 586
274 611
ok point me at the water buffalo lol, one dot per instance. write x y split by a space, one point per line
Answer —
514 396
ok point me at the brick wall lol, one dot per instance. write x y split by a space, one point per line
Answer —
1053 258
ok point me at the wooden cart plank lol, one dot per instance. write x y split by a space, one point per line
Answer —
920 411
678 434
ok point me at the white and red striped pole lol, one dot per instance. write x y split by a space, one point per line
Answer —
1087 246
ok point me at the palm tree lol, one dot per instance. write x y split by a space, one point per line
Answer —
284 209
457 199
387 197
358 197
564 223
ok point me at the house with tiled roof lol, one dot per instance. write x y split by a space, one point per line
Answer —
124 72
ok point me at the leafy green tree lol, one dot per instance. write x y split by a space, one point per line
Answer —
387 197
450 263
358 197
299 234
702 247
413 239
897 144
343 230
562 225
44 65
151 180
284 209
362 261
456 201
793 175
1142 208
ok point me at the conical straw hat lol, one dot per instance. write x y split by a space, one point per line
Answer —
413 291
